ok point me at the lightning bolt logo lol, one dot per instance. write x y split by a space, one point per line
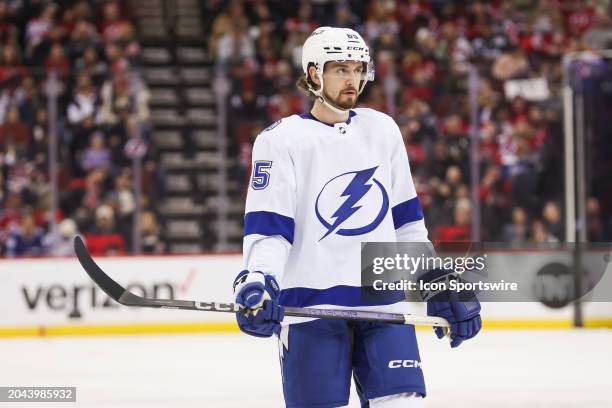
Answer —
354 191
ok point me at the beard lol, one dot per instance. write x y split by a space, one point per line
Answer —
341 101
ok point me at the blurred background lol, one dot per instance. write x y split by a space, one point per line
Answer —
132 122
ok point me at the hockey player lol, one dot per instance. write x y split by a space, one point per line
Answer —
322 183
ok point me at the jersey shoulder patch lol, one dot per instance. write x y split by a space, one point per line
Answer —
281 133
272 126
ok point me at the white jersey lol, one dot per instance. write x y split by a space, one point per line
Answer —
317 191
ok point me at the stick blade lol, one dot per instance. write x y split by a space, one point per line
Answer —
112 288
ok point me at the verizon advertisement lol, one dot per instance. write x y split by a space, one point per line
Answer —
58 291
50 292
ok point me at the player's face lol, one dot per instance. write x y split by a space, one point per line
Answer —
341 82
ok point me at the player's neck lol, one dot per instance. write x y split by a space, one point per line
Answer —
326 115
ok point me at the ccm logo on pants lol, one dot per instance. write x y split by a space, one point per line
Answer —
404 363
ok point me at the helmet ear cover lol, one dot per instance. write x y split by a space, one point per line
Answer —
309 79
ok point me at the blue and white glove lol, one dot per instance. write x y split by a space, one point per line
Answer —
461 309
258 294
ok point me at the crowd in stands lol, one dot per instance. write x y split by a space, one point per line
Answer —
91 49
423 52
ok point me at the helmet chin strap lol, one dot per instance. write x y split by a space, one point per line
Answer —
332 107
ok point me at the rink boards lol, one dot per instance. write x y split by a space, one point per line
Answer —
55 297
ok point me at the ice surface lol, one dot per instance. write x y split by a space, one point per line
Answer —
556 368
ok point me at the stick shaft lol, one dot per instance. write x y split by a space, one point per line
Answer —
125 297
347 314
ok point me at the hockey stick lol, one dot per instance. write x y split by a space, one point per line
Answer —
125 297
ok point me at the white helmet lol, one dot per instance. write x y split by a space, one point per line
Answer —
335 44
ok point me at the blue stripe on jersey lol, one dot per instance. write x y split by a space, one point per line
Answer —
341 295
408 211
269 223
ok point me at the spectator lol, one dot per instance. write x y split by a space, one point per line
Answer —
27 240
62 244
446 193
39 27
8 30
103 238
12 71
57 61
517 232
376 99
84 102
510 65
597 229
460 229
524 177
494 197
127 38
284 104
82 38
10 216
236 43
112 25
415 149
232 16
115 56
457 140
121 97
345 17
39 147
540 234
123 202
599 35
551 216
440 160
34 190
97 156
83 11
90 63
150 234
304 21
84 195
14 134
30 100
380 20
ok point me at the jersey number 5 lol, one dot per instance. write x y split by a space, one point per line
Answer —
261 177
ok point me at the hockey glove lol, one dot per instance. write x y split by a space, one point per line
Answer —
258 294
461 309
